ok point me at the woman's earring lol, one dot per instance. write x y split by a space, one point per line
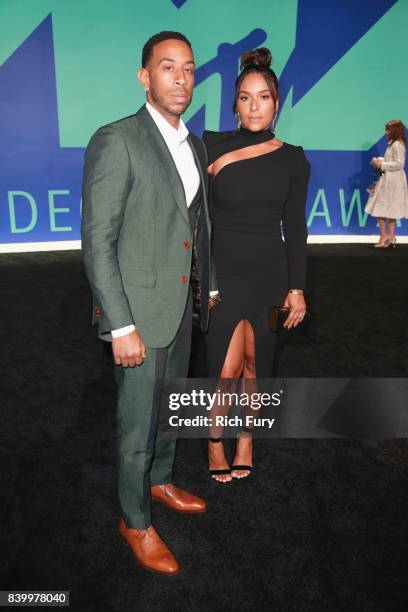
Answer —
274 121
238 120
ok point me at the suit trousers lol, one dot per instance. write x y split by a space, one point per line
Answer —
145 450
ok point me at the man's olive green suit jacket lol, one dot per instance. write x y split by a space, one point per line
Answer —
137 239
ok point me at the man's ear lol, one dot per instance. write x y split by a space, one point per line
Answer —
143 76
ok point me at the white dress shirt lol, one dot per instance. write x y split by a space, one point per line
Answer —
179 147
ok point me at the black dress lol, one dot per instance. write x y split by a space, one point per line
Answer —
250 200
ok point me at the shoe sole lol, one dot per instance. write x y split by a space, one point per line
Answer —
157 499
145 567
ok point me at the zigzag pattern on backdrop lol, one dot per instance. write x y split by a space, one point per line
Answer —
319 47
40 181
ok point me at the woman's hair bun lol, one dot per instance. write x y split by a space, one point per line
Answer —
257 57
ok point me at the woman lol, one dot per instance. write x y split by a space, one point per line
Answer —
388 201
257 182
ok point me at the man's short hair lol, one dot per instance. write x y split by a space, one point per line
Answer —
158 38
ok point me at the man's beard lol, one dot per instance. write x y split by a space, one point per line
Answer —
159 102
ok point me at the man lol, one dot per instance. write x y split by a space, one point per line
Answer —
145 212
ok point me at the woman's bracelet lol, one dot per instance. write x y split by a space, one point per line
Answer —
296 291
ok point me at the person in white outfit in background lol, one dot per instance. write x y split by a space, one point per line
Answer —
388 200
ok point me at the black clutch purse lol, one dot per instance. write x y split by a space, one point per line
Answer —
277 317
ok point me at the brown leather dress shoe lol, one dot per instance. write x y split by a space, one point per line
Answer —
177 499
149 549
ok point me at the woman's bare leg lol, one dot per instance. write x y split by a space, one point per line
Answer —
243 452
391 229
232 369
383 230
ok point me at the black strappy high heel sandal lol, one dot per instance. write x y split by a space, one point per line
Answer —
219 472
247 468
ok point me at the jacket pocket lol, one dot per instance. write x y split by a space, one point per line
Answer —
138 278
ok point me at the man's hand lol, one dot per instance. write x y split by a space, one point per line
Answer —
129 350
214 299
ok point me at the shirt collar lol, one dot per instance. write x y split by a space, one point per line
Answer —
168 132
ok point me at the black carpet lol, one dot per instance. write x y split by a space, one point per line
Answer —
321 525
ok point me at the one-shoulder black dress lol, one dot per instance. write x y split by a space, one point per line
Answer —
259 240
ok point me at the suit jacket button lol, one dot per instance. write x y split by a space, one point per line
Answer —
186 245
184 279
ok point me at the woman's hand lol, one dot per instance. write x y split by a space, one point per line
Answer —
296 303
376 163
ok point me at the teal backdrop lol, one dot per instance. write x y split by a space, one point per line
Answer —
69 66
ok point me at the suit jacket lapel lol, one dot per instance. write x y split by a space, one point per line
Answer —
157 141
